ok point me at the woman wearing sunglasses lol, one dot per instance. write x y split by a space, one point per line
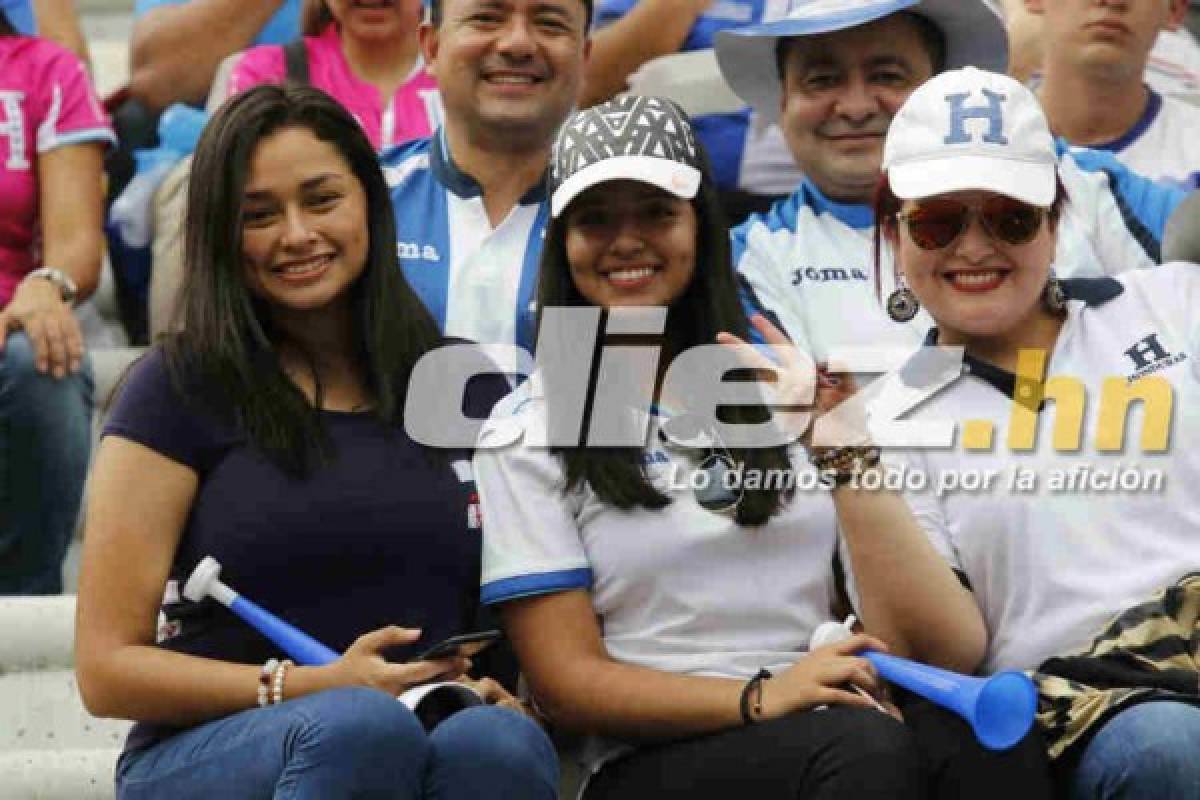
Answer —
1085 519
661 612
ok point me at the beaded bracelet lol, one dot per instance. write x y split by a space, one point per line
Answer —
265 675
843 464
277 681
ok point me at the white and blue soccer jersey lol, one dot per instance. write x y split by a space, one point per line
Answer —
476 280
808 263
1071 533
746 153
1164 144
678 589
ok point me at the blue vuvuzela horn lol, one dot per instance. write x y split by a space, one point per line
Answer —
299 646
999 708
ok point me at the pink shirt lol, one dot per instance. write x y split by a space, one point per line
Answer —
46 101
413 112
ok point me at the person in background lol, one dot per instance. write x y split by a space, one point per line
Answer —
835 77
55 20
1094 88
1173 67
177 45
470 200
51 247
367 58
268 433
1090 582
750 159
673 628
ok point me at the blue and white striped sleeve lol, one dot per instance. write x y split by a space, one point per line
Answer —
763 283
531 541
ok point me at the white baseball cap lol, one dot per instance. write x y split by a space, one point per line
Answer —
974 34
630 137
970 129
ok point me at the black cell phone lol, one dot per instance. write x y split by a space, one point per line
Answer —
464 644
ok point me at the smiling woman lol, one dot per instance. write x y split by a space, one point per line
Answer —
304 237
671 573
971 204
364 54
268 434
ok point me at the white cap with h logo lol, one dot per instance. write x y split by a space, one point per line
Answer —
970 129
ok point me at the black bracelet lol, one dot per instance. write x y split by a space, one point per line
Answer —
754 684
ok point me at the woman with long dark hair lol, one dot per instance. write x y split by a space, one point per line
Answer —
51 250
661 588
268 433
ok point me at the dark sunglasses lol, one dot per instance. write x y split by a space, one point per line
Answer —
936 224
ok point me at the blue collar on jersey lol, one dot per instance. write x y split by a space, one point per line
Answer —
854 215
1153 106
462 184
1091 291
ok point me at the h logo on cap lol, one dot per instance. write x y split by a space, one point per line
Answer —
993 112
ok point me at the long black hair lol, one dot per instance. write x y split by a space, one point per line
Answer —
708 306
225 351
6 26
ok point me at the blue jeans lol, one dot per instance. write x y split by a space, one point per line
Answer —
346 743
45 438
1149 751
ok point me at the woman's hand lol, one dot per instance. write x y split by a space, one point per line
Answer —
495 695
38 309
800 384
363 664
820 678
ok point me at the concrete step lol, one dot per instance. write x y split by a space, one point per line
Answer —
57 774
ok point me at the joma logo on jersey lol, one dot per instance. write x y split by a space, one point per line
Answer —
411 251
827 274
1149 356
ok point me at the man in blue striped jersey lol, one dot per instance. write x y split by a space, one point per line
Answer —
469 200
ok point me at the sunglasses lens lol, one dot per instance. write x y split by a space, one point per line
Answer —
935 225
1011 220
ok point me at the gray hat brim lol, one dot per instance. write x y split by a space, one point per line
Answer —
974 33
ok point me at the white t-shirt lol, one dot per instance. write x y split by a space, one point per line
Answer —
1173 68
680 589
809 261
1050 566
1164 144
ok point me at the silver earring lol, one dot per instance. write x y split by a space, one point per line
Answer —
1054 297
902 304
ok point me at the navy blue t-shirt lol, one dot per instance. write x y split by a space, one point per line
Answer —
388 533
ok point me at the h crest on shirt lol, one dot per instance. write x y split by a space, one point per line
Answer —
1149 356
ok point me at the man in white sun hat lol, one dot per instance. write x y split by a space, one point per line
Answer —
834 73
